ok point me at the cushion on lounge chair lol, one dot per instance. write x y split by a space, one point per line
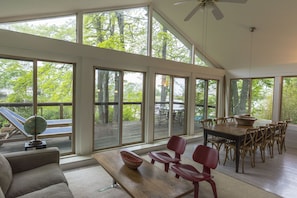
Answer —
6 174
19 127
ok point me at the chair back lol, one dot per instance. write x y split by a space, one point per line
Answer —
271 131
249 138
220 120
206 122
282 127
177 144
208 157
260 137
230 119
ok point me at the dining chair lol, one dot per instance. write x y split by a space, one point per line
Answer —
220 120
270 138
206 156
230 119
260 141
215 141
246 146
176 144
280 136
207 122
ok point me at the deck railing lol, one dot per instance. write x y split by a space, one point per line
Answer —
40 106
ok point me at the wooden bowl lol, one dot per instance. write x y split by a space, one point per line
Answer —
245 120
131 159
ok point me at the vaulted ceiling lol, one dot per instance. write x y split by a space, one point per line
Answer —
227 42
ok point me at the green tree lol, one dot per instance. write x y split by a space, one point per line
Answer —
289 102
62 28
239 96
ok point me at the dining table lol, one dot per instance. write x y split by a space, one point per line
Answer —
231 131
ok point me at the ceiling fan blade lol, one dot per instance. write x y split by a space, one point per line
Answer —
217 12
233 1
189 16
181 2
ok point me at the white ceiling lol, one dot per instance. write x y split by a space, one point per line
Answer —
227 42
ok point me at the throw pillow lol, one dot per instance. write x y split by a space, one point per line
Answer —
6 174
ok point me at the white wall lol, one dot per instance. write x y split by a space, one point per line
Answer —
85 58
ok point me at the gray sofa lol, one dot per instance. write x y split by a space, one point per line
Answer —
34 174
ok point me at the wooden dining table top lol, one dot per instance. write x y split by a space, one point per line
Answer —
231 128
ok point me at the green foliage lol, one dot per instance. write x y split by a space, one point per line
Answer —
261 102
262 98
167 46
200 89
54 84
289 102
62 28
131 112
122 30
240 89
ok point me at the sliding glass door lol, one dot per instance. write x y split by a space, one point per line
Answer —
205 101
118 108
170 106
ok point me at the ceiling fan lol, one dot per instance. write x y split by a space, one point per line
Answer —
210 4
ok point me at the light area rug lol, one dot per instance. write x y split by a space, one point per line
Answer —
86 182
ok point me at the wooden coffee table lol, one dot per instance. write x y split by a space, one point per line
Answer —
147 181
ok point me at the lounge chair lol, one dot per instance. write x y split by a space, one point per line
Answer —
50 123
18 127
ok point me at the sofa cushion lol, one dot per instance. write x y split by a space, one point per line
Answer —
35 179
60 190
1 193
6 174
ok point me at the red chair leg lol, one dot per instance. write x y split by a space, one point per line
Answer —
196 189
152 161
166 167
213 186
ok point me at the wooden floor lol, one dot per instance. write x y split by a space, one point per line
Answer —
277 175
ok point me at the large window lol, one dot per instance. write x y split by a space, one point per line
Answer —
41 88
170 106
62 28
289 101
118 108
252 96
168 43
205 101
201 60
123 30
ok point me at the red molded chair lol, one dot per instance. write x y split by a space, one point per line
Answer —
206 156
176 144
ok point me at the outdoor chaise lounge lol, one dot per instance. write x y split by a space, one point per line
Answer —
50 123
18 127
